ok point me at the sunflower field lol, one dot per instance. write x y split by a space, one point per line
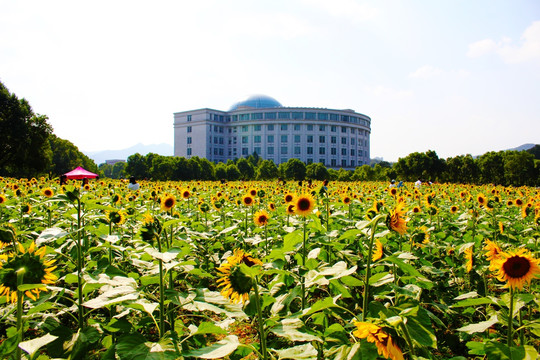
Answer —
268 270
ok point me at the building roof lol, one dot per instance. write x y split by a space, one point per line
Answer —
257 102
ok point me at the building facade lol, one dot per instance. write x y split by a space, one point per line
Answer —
335 138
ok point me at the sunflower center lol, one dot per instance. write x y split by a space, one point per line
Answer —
169 202
516 266
303 204
240 282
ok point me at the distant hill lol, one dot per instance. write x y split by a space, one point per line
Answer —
523 147
101 156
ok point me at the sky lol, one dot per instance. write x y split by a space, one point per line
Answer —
454 76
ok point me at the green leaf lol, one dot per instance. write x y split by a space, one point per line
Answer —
320 305
498 350
481 326
303 352
209 328
218 350
419 325
289 328
472 302
291 240
135 347
405 267
31 346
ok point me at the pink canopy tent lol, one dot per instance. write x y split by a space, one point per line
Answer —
80 173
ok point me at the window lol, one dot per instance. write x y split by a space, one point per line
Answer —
322 116
257 140
244 116
321 160
334 117
221 152
322 139
244 128
270 150
189 151
189 140
310 138
244 139
270 127
353 141
284 138
297 150
256 116
283 150
344 163
215 151
221 141
296 127
244 151
344 152
333 151
353 163
310 116
257 150
189 118
333 128
284 115
343 129
270 138
333 140
353 130
215 140
333 162
284 127
352 152
270 115
322 128
296 138
297 115
257 127
310 161
310 127
309 150
344 140
189 129
322 150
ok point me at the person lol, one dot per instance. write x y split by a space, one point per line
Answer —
63 180
392 184
418 183
133 185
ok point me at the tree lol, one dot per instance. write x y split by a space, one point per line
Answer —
221 171
316 171
491 167
535 150
137 166
25 149
363 173
118 170
266 170
295 169
233 173
246 169
66 157
519 168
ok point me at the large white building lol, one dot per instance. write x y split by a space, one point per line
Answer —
336 138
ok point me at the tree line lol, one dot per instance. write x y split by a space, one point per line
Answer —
514 168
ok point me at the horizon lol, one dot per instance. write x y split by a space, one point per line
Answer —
453 77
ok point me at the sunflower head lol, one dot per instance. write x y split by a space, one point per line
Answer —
8 235
261 218
151 228
116 217
395 220
248 200
378 253
481 198
516 268
304 205
167 202
288 198
204 207
26 208
468 258
290 209
386 346
2 199
37 270
186 194
235 279
47 192
272 207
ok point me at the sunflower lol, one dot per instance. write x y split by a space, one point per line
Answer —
204 207
48 192
288 198
116 217
272 207
516 268
384 342
432 210
248 200
186 194
346 199
469 258
26 208
493 253
235 284
393 191
453 209
2 199
252 192
38 271
8 235
395 220
416 209
290 209
167 202
481 198
304 204
261 218
518 202
501 227
378 253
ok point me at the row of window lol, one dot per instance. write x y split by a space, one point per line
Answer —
287 115
283 138
285 127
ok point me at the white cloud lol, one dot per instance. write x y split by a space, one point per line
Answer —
430 72
528 48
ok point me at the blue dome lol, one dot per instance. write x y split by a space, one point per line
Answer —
257 102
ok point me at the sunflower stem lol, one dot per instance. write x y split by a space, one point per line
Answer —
161 295
79 267
510 318
407 337
20 300
303 266
262 335
368 268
